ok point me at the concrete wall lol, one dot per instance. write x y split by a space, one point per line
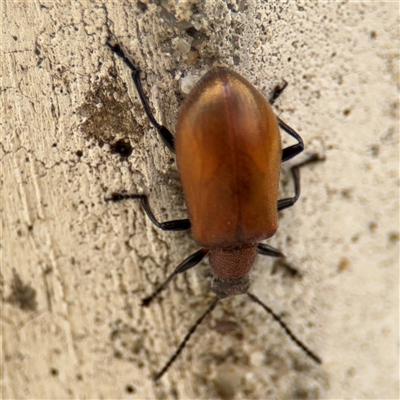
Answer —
75 267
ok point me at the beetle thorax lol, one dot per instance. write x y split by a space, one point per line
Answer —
231 267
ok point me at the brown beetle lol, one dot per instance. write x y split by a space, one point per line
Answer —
228 151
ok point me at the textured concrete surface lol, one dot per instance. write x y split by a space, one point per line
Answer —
74 268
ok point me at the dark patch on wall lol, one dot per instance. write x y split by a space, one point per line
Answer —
286 270
109 115
22 295
122 147
127 343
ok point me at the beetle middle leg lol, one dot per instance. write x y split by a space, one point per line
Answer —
291 151
174 225
165 134
295 170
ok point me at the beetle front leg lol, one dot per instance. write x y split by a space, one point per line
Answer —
174 225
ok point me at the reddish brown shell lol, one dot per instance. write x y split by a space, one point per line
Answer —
228 151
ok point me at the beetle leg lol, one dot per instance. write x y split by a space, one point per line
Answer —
278 89
186 264
267 250
175 225
165 134
291 151
288 202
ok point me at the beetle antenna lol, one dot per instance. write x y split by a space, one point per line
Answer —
182 344
288 332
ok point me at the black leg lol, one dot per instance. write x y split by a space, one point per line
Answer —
165 134
186 264
285 203
175 225
278 89
291 151
267 250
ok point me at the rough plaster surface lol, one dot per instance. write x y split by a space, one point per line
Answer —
74 268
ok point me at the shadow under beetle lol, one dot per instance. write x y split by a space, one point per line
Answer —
228 151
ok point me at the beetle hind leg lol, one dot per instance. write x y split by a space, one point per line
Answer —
165 134
278 90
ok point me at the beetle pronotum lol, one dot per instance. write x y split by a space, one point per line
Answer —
228 150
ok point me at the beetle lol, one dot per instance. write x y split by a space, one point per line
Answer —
228 151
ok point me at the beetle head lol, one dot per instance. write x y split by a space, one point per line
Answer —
229 287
